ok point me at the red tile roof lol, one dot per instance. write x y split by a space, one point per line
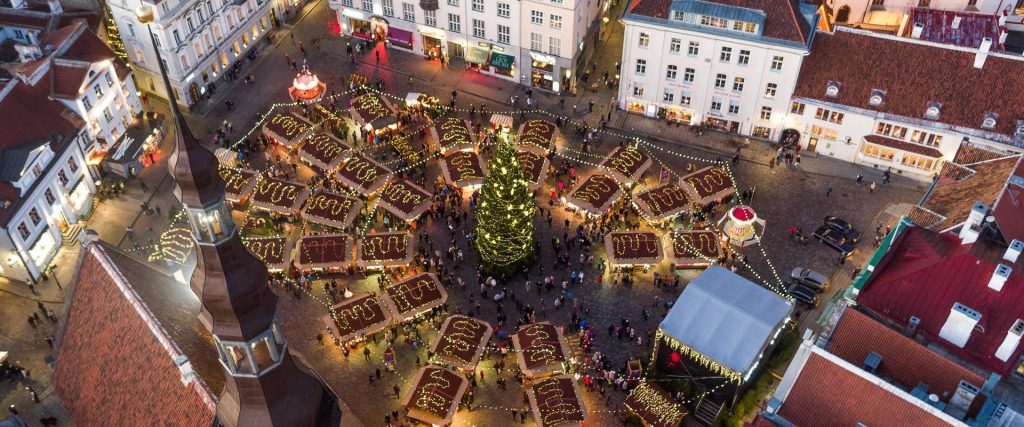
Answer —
827 393
66 80
954 198
925 273
913 75
904 145
23 19
783 20
36 115
938 27
904 361
116 362
1009 210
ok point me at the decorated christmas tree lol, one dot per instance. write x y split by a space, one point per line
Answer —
505 228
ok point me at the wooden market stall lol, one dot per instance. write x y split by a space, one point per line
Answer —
435 395
405 200
538 135
279 196
631 248
595 195
275 252
461 342
238 184
287 128
414 296
331 252
453 133
535 167
710 184
556 402
695 248
363 175
540 350
654 406
662 203
357 317
373 112
626 163
464 168
331 209
323 151
381 250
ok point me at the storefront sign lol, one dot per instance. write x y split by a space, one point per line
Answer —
400 38
540 57
501 60
353 14
476 55
430 32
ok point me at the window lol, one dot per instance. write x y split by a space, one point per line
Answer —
668 96
720 81
878 2
688 75
191 25
766 113
184 60
536 42
989 122
202 16
671 72
537 17
23 231
694 49
769 92
684 99
177 37
824 132
478 5
389 7
675 45
368 5
50 198
713 22
99 91
478 29
409 12
776 63
925 138
556 21
875 100
678 15
504 10
726 54
829 116
797 108
932 112
737 84
504 34
734 108
37 170
744 58
107 115
645 40
453 3
641 66
974 3
716 104
746 27
919 162
879 152
555 46
87 104
638 90
454 23
131 30
430 17
63 178
72 165
34 216
889 129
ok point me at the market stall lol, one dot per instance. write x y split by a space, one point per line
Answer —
355 80
626 163
695 248
331 209
363 175
405 200
556 402
381 250
287 128
631 248
453 133
275 252
331 252
323 151
461 342
409 151
464 168
595 195
373 112
540 350
238 184
132 152
535 167
654 406
537 134
357 317
710 184
414 296
435 395
662 203
279 196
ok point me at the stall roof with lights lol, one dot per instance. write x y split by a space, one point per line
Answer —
726 318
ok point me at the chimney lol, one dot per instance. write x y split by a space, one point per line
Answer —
999 277
1013 251
55 7
28 52
1011 341
959 325
918 29
872 362
979 58
912 325
956 22
972 227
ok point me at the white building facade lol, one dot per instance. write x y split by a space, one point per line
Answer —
201 41
533 42
889 113
732 69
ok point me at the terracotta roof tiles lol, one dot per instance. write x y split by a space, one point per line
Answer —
971 27
954 198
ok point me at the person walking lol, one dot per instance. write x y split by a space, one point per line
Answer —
871 189
828 191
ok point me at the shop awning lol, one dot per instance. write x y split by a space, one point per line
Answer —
399 37
500 120
502 60
226 157
476 55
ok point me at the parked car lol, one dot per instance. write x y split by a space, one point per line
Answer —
834 239
804 296
843 227
810 278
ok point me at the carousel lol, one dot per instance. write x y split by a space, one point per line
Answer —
741 225
306 87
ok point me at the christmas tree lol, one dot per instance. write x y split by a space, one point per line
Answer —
505 228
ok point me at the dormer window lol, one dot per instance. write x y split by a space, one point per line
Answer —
876 97
678 15
932 113
990 120
832 90
1020 127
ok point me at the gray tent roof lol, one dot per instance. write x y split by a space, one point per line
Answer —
726 318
